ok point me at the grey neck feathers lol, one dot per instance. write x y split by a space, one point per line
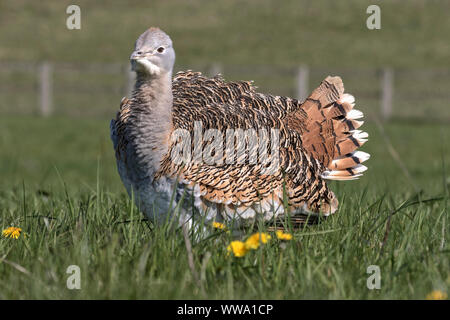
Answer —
154 91
153 119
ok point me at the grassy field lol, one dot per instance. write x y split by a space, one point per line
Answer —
59 184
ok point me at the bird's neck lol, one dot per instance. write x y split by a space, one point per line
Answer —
155 92
153 110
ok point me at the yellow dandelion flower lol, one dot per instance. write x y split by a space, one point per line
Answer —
218 225
283 236
256 239
238 248
437 295
12 232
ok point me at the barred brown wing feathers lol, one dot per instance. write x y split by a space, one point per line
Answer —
236 183
197 98
328 125
191 86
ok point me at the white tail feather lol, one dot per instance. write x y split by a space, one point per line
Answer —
349 167
361 155
354 114
347 98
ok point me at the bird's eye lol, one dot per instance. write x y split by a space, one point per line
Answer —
160 49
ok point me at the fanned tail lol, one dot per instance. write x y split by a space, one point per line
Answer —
329 126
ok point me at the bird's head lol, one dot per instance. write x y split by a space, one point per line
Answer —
153 53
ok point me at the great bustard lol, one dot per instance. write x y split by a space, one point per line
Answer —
172 143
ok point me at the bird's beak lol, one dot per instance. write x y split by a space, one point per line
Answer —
135 56
140 63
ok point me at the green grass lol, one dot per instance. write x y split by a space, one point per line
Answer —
59 184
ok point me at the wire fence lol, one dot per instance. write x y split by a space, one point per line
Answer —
95 90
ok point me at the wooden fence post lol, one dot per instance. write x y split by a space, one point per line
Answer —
387 91
45 89
302 83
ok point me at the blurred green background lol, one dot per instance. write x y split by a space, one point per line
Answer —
264 40
320 33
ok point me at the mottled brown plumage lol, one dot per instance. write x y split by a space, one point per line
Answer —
222 105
